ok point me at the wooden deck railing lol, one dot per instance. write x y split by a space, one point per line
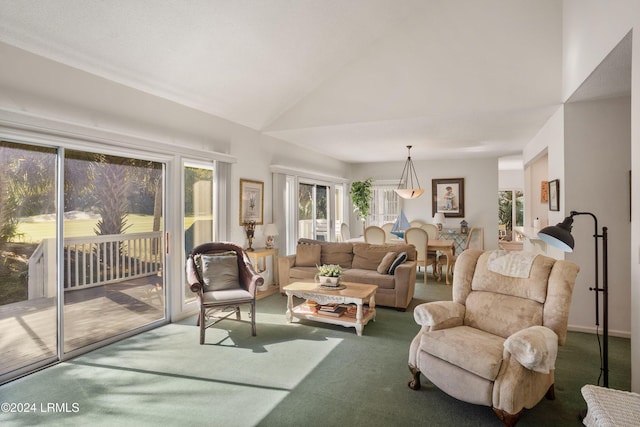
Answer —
94 261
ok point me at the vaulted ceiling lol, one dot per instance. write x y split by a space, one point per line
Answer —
356 79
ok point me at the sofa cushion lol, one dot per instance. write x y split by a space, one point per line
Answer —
370 277
302 273
468 348
307 255
399 259
386 262
337 253
368 256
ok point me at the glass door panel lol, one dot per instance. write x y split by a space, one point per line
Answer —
113 246
313 210
198 212
28 296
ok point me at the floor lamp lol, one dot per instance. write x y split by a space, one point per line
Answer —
559 236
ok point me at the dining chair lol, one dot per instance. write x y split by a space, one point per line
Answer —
345 233
419 238
417 223
375 235
387 227
475 240
434 234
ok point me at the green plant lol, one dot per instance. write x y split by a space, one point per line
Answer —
361 197
329 270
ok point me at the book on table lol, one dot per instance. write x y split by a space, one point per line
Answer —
334 310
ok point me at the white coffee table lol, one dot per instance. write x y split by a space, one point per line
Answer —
353 293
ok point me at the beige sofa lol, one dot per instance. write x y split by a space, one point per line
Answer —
496 343
362 263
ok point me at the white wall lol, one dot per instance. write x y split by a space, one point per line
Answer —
510 179
597 152
591 29
35 88
480 188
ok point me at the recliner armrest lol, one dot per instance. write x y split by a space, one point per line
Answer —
535 348
439 314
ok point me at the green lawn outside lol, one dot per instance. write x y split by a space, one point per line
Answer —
34 232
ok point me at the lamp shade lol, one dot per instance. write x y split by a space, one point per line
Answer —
438 218
270 230
559 235
406 188
409 193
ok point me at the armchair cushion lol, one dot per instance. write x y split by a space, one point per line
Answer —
468 348
536 348
218 271
307 255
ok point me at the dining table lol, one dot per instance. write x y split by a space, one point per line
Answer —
446 247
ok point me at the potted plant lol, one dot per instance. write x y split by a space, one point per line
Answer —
361 197
329 274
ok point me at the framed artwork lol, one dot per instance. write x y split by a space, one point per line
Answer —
554 195
251 201
544 191
448 197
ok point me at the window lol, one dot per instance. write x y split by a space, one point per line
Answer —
510 211
385 204
313 211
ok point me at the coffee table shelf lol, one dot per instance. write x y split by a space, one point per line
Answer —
354 293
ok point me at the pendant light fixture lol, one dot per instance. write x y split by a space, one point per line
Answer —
409 191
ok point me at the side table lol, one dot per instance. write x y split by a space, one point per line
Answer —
609 407
259 259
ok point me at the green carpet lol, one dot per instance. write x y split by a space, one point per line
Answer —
303 373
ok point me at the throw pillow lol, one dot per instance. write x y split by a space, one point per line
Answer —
307 255
219 271
400 258
384 265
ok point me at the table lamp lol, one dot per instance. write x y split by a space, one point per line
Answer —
249 229
438 219
271 231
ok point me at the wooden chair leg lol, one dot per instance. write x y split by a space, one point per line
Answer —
551 393
202 324
509 420
414 384
253 318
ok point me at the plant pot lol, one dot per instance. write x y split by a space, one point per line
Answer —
328 281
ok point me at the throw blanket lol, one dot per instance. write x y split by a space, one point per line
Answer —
536 348
511 263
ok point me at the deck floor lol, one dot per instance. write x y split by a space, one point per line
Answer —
28 328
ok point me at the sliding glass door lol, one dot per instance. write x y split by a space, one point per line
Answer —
28 333
113 252
105 271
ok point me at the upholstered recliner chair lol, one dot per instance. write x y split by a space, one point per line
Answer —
496 343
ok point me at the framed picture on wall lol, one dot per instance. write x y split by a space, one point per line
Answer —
448 197
251 201
554 195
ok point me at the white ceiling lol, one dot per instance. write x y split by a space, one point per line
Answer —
357 79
